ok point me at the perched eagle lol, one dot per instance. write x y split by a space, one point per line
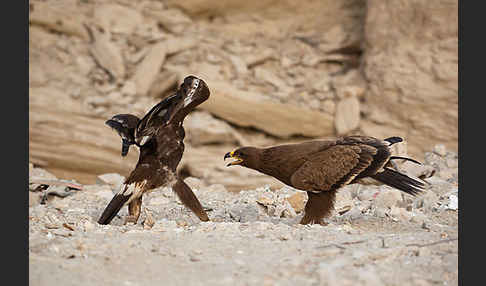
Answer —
159 135
321 167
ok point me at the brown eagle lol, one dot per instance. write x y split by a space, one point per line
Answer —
159 135
321 167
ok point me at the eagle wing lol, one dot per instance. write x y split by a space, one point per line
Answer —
157 116
333 167
124 125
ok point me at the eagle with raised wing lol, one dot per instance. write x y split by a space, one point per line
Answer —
322 167
159 135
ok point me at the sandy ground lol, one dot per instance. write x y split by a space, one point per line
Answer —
377 236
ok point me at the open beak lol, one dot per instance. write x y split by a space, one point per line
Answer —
237 161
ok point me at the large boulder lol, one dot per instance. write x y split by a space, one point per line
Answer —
411 66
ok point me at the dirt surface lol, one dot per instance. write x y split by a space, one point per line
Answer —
376 236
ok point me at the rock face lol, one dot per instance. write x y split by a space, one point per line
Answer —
202 129
251 110
347 115
410 63
279 69
66 142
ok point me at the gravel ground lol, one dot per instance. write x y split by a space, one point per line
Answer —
376 236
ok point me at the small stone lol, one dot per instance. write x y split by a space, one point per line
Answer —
400 213
440 150
297 201
51 226
366 193
388 198
453 203
353 213
427 202
344 200
380 212
88 226
266 199
451 163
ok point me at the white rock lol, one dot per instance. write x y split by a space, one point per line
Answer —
347 116
440 150
148 69
88 226
388 197
453 202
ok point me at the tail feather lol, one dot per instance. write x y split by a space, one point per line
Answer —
405 158
393 140
400 181
113 208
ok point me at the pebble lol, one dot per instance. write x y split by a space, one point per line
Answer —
388 197
297 201
88 226
440 150
453 202
400 214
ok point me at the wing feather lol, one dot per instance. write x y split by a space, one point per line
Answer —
333 167
158 115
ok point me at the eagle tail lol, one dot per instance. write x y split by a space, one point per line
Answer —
399 181
113 208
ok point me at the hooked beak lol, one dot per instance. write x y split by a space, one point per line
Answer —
237 161
192 94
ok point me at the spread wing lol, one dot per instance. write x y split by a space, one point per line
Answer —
334 167
157 116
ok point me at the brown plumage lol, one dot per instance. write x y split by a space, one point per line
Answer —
321 167
159 135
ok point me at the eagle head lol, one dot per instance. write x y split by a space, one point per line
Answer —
193 92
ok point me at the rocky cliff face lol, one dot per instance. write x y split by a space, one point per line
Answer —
411 68
278 71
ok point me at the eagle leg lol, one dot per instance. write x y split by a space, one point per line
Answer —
134 210
318 206
190 200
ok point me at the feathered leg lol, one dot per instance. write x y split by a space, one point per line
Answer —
190 200
318 206
134 210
